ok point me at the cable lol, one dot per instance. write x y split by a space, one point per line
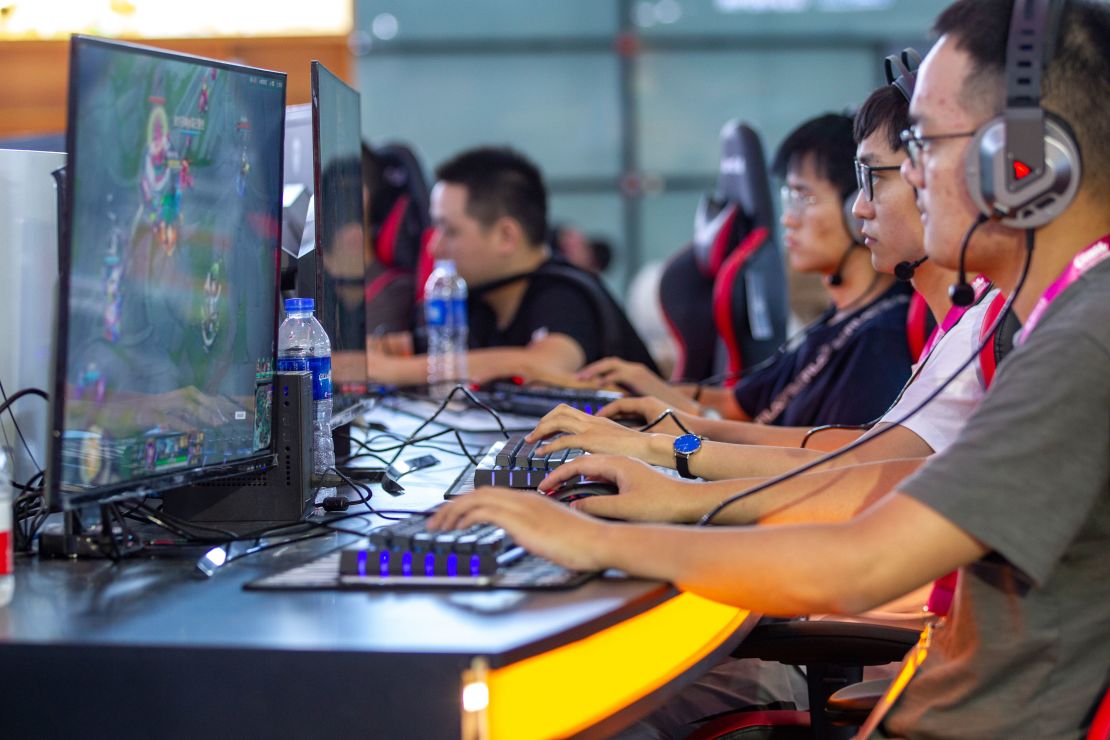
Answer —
447 399
830 427
1029 238
7 405
657 420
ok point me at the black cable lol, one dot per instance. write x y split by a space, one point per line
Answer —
708 517
7 406
447 399
659 419
828 427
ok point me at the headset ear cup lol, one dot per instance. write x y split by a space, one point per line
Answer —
1040 201
851 223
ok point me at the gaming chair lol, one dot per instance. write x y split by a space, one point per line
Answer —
731 276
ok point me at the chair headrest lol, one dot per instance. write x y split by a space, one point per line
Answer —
742 177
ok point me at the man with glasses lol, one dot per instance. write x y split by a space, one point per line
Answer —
848 365
894 235
1020 503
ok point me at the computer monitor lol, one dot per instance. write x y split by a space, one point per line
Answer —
167 309
340 228
28 271
298 216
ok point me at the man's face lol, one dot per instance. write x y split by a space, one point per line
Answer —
461 237
815 236
891 222
946 207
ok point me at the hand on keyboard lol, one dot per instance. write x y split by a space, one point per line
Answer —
598 435
636 377
536 523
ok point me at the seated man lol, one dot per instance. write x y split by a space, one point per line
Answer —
894 234
1020 502
858 343
527 312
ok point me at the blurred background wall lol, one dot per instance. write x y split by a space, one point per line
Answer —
619 101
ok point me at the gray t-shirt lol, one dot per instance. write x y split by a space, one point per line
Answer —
1026 649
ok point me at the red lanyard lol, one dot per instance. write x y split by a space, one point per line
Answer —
982 285
1080 264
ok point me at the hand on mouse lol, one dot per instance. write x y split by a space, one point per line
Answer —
585 432
645 494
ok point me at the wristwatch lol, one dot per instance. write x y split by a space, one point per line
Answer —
684 448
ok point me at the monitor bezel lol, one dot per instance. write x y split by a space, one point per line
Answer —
315 68
262 460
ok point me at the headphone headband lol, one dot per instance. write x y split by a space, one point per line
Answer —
901 71
1024 166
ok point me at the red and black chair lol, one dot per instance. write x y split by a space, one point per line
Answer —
731 276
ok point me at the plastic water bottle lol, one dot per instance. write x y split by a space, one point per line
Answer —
303 345
445 318
7 579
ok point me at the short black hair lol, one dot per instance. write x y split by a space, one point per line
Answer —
1076 84
602 253
500 182
828 140
885 110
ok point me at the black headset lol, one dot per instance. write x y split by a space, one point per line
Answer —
901 74
1024 166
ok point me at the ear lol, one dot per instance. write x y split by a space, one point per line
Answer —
508 234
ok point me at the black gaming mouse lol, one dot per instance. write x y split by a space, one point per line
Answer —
575 489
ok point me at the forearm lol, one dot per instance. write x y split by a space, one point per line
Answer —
818 496
754 568
747 433
720 460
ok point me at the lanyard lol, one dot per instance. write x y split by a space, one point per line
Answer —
981 285
1080 264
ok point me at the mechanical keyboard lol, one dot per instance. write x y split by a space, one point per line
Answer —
406 554
514 463
538 400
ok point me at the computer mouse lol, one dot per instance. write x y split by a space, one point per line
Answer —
577 489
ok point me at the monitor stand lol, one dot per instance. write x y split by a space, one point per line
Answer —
111 538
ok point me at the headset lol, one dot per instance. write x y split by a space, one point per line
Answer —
901 74
854 227
1024 166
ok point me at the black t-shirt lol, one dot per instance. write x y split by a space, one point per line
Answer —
843 373
554 304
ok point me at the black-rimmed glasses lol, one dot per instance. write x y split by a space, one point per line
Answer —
865 177
916 143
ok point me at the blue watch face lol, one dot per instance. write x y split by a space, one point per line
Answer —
687 444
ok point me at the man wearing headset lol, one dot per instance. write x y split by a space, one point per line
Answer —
1021 502
526 309
848 364
894 234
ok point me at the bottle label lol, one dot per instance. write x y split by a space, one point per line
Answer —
458 307
321 373
321 377
435 312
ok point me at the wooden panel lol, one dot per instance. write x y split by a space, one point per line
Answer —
33 83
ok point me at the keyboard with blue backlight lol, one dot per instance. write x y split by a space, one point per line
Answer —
482 556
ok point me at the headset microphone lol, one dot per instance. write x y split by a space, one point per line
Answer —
962 293
837 278
904 270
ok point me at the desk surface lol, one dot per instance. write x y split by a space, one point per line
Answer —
150 645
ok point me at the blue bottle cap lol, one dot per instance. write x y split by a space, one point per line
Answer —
296 305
